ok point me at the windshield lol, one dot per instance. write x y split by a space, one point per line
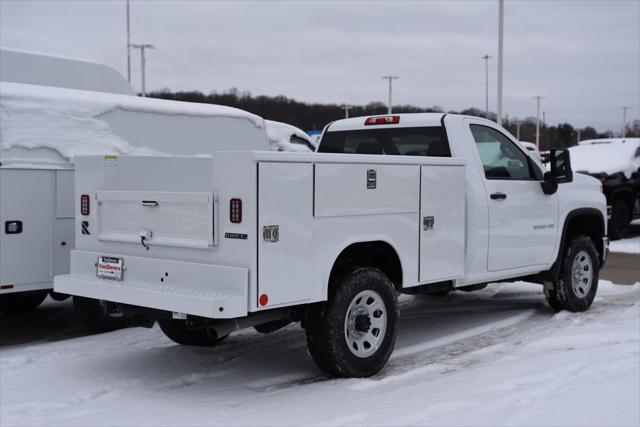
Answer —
420 141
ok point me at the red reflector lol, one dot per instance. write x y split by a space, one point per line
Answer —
235 211
6 287
84 204
382 120
264 299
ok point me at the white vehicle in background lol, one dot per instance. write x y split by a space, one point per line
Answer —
53 109
616 163
533 149
413 203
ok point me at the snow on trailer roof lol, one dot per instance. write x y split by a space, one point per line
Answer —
608 156
20 66
49 126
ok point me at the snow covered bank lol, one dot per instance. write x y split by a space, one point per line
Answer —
495 357
628 246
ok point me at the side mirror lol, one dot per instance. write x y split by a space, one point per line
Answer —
549 185
561 165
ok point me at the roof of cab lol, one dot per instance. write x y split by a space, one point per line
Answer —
406 120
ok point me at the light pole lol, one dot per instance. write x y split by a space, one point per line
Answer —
486 84
143 62
390 78
500 37
538 98
346 108
624 121
518 131
128 46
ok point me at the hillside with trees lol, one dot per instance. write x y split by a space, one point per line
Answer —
316 116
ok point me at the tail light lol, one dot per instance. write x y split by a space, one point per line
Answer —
235 211
382 120
84 204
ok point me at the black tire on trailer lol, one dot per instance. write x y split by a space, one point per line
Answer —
620 222
22 302
176 330
354 332
90 312
578 280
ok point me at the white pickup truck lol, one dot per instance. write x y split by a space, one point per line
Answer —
410 203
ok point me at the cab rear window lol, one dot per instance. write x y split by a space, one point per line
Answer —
418 141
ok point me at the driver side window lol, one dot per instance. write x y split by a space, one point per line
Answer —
500 157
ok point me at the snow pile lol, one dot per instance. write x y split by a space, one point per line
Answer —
70 122
610 156
282 137
498 356
628 246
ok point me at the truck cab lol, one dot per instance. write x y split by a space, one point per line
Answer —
408 203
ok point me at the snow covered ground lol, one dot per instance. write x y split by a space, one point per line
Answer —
628 246
494 357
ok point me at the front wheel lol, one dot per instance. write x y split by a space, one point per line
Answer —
355 331
21 302
620 222
578 280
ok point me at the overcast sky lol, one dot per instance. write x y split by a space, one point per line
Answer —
584 56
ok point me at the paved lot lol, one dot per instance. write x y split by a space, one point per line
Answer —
623 268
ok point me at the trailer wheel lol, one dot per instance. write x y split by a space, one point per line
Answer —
620 222
21 302
176 330
578 281
90 312
355 331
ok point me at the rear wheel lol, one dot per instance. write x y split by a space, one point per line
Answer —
620 222
176 330
21 302
578 281
355 331
91 314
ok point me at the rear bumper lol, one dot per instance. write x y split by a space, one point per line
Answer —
212 291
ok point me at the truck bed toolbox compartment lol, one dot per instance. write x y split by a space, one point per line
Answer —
208 290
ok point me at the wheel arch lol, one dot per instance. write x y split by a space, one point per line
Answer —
378 253
587 221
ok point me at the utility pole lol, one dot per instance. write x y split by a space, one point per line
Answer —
346 108
538 98
143 62
500 37
544 130
624 121
128 46
578 137
518 131
390 78
486 85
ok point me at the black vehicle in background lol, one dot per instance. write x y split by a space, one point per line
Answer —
616 163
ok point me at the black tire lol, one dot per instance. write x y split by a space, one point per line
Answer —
620 222
90 312
176 330
21 302
326 325
567 294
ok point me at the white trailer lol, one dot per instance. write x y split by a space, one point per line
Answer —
414 203
59 108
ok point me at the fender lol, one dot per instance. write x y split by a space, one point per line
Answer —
553 273
350 242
